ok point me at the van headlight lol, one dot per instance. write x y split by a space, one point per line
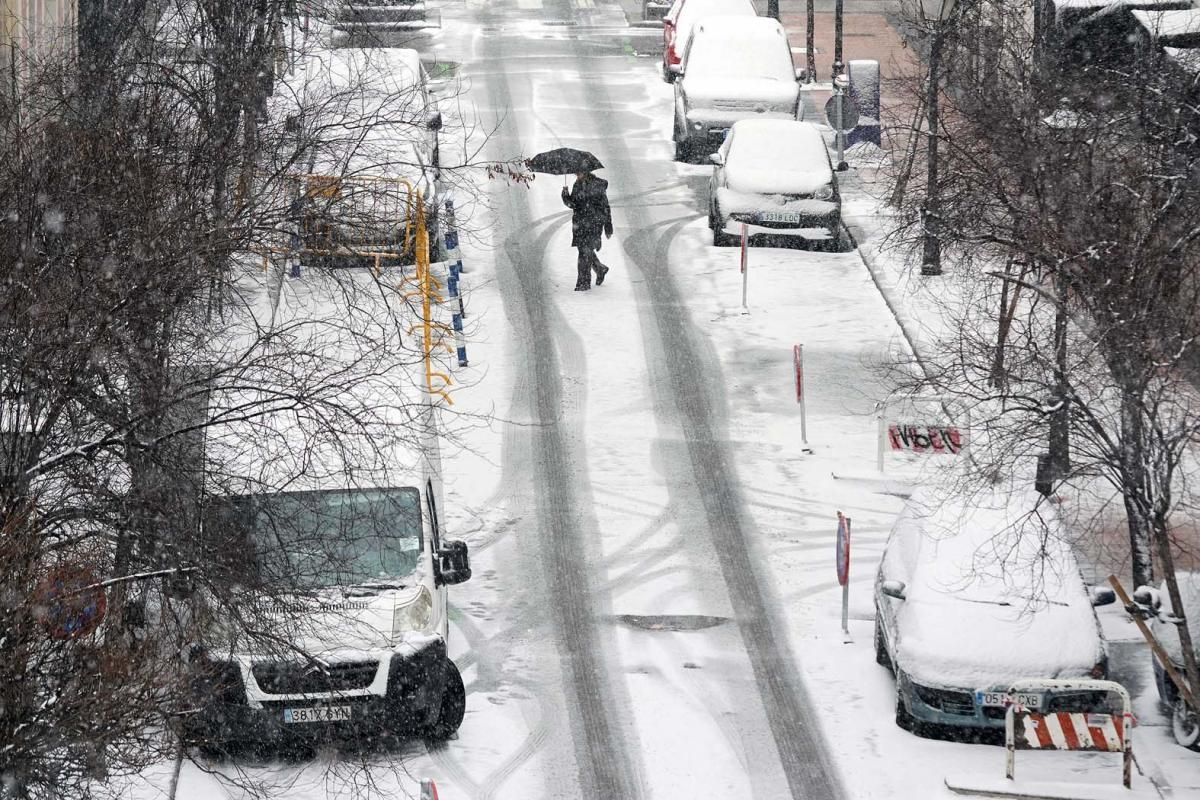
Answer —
413 615
824 193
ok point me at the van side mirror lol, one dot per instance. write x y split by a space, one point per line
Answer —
717 159
893 589
1103 596
453 563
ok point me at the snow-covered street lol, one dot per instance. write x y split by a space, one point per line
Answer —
655 611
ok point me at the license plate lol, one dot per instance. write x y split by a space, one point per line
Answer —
317 714
1030 700
779 216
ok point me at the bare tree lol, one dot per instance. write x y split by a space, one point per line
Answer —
1066 197
145 365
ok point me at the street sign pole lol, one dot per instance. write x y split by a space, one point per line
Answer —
745 263
798 364
841 116
843 569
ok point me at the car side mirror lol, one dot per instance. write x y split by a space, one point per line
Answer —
454 565
893 589
1103 596
717 159
434 121
1147 601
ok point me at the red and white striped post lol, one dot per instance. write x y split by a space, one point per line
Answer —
745 263
798 366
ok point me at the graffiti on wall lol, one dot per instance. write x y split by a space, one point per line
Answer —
926 438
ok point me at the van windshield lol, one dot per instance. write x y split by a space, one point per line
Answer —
737 54
313 540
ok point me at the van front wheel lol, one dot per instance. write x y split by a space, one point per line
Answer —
453 707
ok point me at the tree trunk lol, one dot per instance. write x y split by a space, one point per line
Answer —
1134 489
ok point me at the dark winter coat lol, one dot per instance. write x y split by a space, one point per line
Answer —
588 199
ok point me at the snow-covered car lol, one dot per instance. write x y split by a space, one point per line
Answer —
379 146
682 17
1185 724
655 9
358 644
733 68
975 592
375 16
775 175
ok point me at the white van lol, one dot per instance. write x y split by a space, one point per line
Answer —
733 68
358 647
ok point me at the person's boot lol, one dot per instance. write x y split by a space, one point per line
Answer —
582 287
601 271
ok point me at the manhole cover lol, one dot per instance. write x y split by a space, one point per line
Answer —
671 622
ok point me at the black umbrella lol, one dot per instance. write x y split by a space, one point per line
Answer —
564 161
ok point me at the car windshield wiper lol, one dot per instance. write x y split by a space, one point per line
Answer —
1007 603
374 586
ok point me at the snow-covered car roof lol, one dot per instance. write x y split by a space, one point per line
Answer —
776 156
375 111
1167 633
724 46
995 595
692 11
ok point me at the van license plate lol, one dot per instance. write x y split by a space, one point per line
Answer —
317 714
1030 700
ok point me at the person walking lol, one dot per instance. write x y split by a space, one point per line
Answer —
591 215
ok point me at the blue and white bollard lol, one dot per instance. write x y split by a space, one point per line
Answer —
454 268
456 317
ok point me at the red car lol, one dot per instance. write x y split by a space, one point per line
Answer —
678 23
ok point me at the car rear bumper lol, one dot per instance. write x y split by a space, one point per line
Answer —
810 226
707 127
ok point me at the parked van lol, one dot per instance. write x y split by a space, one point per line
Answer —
355 643
733 68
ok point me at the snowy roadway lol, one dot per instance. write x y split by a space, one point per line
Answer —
652 545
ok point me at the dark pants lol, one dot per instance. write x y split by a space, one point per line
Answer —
588 263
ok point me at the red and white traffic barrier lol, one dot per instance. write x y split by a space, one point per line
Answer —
1025 729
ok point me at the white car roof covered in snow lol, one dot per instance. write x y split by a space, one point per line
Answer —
725 46
692 11
776 156
994 591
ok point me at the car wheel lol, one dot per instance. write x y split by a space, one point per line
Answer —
453 707
1185 725
721 238
881 654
